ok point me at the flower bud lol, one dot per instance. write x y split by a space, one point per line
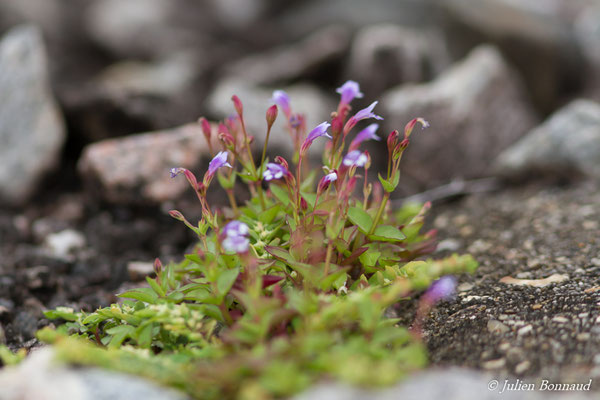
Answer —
368 162
205 128
411 124
226 138
303 204
157 266
271 115
392 141
237 103
177 215
280 160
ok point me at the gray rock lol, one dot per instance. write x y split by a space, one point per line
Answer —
135 169
39 378
293 61
535 36
569 139
476 109
449 384
63 245
386 55
305 98
31 128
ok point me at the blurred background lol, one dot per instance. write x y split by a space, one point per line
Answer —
98 100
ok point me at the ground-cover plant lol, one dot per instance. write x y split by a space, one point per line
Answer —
287 289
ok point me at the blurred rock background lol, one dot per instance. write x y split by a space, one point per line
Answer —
75 73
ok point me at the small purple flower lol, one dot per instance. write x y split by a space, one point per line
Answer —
236 244
176 171
349 91
355 158
326 181
320 130
274 171
366 134
220 160
282 99
234 237
235 228
366 113
442 289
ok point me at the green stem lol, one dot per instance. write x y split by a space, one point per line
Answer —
386 196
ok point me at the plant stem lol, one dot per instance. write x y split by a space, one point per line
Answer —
328 257
386 196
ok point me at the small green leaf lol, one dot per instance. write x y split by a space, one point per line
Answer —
369 258
279 254
146 295
387 233
269 214
226 280
360 218
156 287
280 193
387 185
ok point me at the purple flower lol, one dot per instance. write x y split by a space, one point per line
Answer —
366 134
235 228
326 181
176 171
236 244
320 130
441 289
349 91
234 237
365 113
282 99
274 171
355 158
220 160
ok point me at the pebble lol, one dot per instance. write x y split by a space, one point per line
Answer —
583 337
138 270
464 287
497 327
448 245
63 244
494 364
525 330
560 319
522 367
536 306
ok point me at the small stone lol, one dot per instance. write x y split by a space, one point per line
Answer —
560 319
494 364
590 225
497 327
522 367
525 330
62 245
583 337
448 245
139 270
479 246
536 306
464 287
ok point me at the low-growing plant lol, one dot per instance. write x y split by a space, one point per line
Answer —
290 287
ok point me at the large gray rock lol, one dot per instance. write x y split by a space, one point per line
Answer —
386 55
569 139
305 98
39 378
293 61
135 169
449 384
536 37
32 131
476 109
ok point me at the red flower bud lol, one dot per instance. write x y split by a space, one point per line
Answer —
206 129
303 204
392 141
226 138
368 163
281 161
177 215
411 124
237 103
271 115
157 266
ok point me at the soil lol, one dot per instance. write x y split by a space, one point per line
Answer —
527 232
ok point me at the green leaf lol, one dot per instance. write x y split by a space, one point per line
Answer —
227 182
269 214
156 287
144 335
226 280
280 254
61 312
387 233
280 193
387 185
119 334
360 218
369 258
146 295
